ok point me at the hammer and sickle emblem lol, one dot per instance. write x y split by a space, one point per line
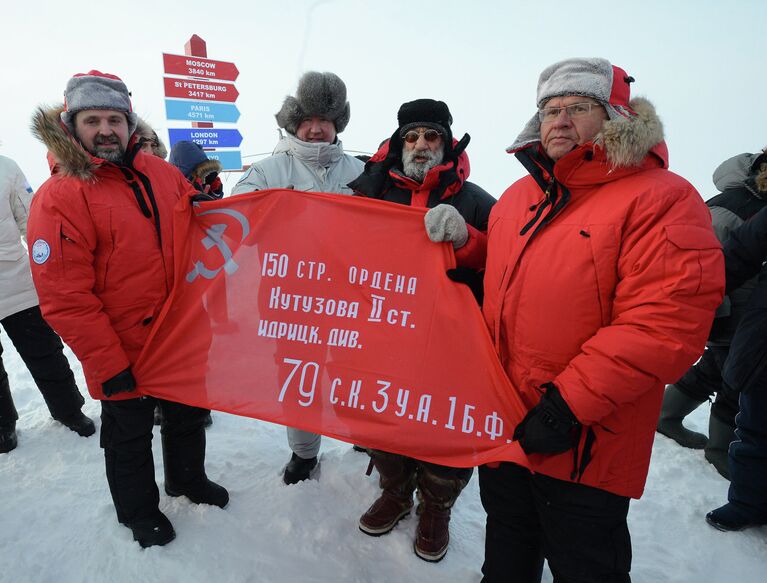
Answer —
215 239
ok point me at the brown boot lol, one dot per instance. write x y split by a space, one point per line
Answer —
397 480
436 496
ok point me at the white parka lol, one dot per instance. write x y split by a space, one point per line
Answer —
311 167
17 292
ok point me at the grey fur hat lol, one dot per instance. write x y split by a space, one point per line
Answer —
96 90
319 94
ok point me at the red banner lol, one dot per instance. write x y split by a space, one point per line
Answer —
332 314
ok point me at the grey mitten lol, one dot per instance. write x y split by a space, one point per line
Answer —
445 223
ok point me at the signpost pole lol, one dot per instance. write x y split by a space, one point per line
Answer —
196 47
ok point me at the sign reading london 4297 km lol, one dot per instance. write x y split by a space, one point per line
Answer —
332 314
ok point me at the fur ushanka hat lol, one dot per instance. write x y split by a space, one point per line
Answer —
318 95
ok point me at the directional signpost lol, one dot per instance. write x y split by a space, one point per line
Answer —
199 90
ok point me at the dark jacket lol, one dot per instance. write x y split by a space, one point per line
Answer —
745 252
742 196
444 184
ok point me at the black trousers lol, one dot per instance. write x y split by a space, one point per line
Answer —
581 531
748 457
704 379
42 352
126 437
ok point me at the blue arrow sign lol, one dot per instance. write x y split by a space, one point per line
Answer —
230 160
201 111
207 137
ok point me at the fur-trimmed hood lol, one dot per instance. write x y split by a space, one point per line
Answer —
65 153
761 177
144 130
192 161
626 141
749 170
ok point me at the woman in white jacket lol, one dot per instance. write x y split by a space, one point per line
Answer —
37 344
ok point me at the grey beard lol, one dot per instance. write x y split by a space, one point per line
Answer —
114 156
418 170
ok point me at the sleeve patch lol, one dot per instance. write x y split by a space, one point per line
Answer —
41 251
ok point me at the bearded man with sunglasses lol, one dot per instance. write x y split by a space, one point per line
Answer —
603 275
422 165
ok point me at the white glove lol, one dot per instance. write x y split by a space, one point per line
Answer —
445 223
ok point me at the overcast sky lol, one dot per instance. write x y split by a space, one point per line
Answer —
697 60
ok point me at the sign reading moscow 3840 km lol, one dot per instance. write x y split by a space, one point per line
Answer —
189 66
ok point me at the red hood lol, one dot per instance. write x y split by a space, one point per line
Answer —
431 180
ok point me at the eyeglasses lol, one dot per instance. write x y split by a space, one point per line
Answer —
412 136
549 114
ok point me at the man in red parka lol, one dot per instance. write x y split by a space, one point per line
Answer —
101 248
603 275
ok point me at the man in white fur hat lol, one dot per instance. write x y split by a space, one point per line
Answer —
603 275
309 158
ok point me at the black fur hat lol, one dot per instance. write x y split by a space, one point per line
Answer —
427 113
320 95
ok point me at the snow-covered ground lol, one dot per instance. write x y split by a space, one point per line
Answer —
57 522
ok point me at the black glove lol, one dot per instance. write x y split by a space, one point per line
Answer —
470 277
122 382
549 427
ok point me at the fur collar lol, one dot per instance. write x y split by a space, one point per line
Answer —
69 157
761 177
628 140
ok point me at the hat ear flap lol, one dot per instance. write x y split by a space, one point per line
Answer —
290 115
343 118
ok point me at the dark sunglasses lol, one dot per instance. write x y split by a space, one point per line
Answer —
412 136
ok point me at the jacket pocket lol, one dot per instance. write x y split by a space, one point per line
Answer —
690 251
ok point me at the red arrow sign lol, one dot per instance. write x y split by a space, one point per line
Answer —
200 90
199 67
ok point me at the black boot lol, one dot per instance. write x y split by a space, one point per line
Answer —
183 448
676 406
78 423
207 421
397 475
298 469
152 531
720 436
8 441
